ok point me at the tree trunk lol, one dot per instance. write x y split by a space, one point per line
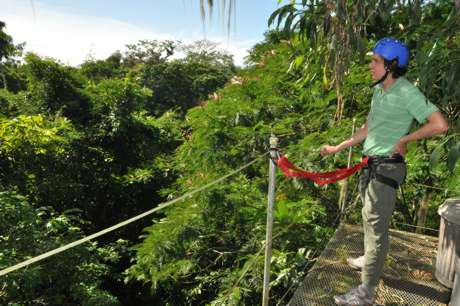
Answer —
340 105
423 211
5 86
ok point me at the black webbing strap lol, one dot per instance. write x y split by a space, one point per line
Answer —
386 180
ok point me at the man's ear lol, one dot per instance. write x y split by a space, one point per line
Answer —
391 66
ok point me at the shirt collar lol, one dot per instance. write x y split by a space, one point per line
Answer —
392 87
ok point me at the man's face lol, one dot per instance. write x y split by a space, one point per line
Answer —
377 67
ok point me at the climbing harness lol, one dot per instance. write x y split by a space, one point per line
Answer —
375 161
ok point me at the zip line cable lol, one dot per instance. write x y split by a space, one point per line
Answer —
124 223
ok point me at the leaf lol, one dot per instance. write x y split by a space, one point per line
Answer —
288 22
452 156
282 211
435 157
282 14
273 16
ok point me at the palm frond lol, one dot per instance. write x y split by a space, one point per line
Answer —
227 11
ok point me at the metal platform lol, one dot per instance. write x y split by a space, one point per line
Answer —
408 276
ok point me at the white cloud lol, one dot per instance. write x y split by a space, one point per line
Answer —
69 37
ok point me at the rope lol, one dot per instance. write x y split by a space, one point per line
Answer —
320 178
431 187
416 226
124 223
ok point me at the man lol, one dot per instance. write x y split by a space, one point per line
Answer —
395 104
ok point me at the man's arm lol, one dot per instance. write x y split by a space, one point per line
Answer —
357 137
436 125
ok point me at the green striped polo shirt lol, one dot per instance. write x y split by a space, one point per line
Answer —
391 115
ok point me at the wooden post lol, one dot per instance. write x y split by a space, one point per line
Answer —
269 230
344 189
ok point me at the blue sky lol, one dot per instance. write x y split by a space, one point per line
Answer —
69 30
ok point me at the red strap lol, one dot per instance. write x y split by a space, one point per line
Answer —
322 178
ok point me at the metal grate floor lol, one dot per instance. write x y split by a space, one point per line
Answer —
408 276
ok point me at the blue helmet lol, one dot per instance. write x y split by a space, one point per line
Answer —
393 49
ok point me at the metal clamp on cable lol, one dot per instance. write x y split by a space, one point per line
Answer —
274 152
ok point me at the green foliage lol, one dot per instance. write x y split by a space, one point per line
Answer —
115 101
31 135
340 34
112 138
35 157
72 278
97 70
9 77
186 82
53 89
149 52
286 90
210 241
6 43
5 98
86 138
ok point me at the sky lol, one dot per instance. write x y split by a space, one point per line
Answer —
71 30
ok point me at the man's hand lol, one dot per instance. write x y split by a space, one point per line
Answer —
327 149
400 147
437 124
357 137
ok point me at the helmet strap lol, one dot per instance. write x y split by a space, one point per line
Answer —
381 79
